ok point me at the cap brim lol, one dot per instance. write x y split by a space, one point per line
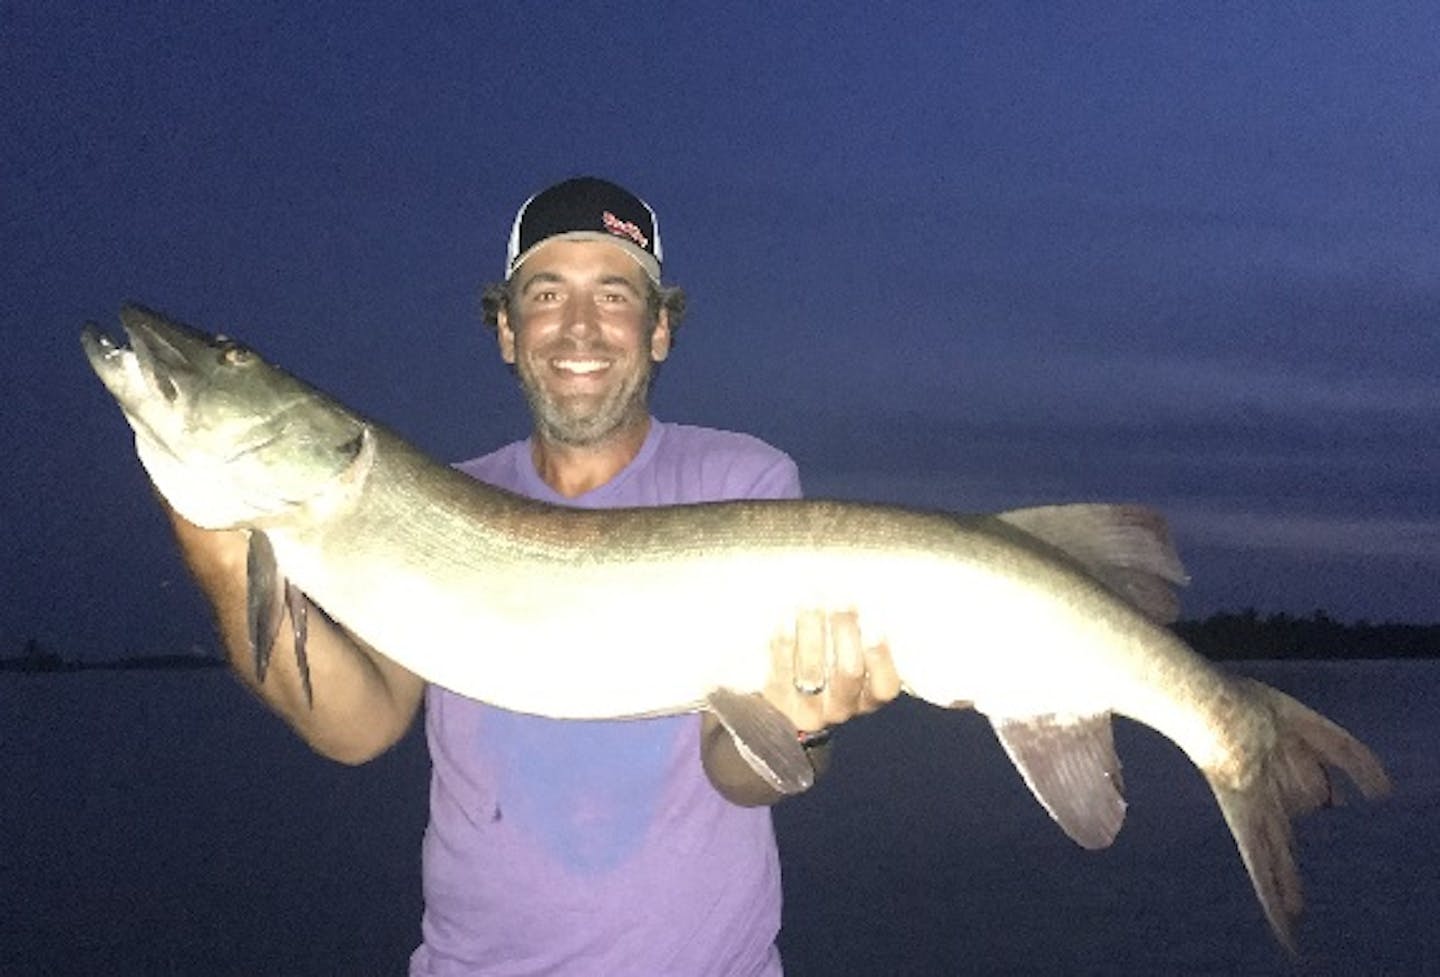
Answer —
639 255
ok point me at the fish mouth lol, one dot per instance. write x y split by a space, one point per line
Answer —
161 357
117 366
105 355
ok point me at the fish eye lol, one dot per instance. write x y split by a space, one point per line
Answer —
233 354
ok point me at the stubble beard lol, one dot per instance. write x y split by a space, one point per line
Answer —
586 422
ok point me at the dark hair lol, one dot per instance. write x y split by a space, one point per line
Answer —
671 298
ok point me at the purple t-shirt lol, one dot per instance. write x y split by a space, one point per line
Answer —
587 848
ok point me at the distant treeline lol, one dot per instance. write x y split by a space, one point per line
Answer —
1227 635
1249 635
36 657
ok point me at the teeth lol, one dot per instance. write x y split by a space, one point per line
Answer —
580 366
109 347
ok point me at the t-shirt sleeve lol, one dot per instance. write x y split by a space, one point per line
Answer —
779 480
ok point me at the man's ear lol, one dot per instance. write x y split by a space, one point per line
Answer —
660 337
505 336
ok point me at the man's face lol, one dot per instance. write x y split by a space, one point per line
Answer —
581 341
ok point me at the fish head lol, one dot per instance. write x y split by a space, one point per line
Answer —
228 438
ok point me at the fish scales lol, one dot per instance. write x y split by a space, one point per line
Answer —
915 579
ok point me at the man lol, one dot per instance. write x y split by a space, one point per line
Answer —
577 848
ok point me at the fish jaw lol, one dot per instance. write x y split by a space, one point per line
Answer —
151 404
157 378
116 366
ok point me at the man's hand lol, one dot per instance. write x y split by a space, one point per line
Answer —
822 673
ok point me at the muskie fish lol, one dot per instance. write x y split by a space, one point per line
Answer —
1047 620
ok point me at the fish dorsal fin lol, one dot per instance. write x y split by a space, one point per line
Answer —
1125 547
765 738
1069 764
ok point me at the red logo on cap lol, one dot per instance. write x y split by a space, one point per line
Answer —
621 228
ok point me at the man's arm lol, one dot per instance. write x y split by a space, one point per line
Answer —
364 702
824 652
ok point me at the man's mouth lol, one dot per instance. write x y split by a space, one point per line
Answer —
579 367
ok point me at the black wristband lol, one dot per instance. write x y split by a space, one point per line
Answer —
811 740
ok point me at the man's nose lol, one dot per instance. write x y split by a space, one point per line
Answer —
581 315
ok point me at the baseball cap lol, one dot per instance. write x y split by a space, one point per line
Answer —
587 208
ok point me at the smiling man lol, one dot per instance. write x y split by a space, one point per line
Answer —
582 848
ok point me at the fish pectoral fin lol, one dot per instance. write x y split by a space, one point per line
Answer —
1125 547
299 606
765 738
1069 764
268 595
264 600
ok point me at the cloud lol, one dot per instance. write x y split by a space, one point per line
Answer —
1211 383
1299 533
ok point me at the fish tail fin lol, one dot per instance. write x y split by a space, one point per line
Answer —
1294 779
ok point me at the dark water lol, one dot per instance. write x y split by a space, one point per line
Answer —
156 823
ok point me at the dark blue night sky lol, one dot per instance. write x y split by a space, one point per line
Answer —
971 258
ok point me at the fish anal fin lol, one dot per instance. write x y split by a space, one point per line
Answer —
1125 547
264 600
1069 764
765 738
